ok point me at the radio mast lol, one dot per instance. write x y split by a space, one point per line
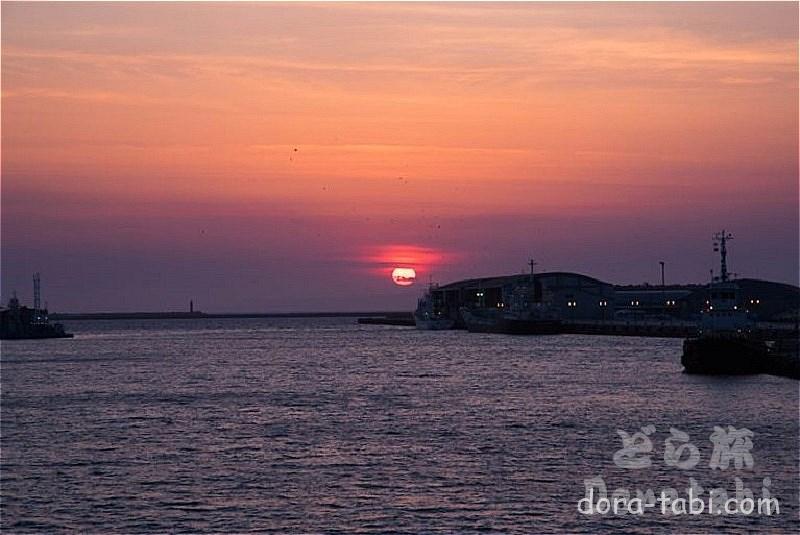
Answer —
720 239
37 296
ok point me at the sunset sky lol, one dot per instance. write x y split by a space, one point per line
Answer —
285 157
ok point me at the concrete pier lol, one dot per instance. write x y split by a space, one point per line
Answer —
658 329
669 329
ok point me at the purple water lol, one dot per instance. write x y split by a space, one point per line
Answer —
326 426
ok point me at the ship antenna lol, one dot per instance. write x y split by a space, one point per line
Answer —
37 297
720 240
532 263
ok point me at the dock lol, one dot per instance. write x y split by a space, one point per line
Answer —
655 329
397 319
642 328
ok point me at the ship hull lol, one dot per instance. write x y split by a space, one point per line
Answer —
35 333
36 336
506 325
434 324
784 358
724 356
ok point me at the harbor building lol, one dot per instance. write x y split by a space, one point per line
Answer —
761 300
569 295
657 302
574 296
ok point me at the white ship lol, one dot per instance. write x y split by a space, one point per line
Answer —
429 316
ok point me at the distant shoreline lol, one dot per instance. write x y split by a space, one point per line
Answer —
211 315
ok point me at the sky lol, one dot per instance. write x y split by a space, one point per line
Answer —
286 157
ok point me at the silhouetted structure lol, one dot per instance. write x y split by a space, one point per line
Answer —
572 296
729 342
19 322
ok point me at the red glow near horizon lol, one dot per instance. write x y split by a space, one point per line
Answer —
385 259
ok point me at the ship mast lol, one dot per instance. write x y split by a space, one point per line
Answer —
37 296
720 239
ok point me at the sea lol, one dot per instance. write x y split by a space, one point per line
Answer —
327 426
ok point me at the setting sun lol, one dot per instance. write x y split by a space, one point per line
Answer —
404 276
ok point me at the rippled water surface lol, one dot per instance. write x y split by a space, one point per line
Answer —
326 426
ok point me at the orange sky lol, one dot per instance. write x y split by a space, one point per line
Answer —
142 130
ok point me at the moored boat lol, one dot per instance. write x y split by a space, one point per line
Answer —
483 320
724 355
433 324
19 322
430 316
726 343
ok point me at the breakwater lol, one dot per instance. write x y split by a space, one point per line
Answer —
400 319
214 315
